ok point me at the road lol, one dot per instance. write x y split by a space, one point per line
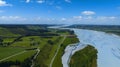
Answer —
57 51
12 56
38 51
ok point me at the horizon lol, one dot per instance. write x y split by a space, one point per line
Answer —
88 12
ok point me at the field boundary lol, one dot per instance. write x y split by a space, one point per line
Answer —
57 51
12 56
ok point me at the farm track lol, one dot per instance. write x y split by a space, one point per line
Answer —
12 56
57 51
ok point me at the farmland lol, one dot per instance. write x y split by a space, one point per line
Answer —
7 51
67 41
19 45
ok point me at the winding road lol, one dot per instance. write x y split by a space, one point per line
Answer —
38 51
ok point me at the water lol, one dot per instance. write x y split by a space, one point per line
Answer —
69 51
108 46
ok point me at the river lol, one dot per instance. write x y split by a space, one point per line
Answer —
108 46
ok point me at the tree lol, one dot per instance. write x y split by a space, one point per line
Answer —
1 41
32 41
71 32
50 42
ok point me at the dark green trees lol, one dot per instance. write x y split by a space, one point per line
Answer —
86 57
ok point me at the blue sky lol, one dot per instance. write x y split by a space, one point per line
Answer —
60 12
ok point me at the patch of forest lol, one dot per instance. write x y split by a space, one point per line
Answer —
86 57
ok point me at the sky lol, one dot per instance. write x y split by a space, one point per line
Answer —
103 12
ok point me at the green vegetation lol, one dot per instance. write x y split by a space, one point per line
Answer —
69 40
23 56
18 43
86 57
8 51
115 29
28 41
47 52
8 40
6 32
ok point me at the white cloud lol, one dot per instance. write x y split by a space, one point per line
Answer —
68 1
63 19
71 20
40 1
12 18
88 13
107 17
77 17
27 1
58 7
3 3
109 20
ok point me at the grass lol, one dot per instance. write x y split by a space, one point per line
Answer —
39 41
25 41
54 49
8 51
58 62
23 56
86 57
48 45
47 53
6 32
6 40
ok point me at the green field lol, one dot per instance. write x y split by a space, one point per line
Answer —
32 41
8 51
47 53
8 40
69 40
22 57
26 41
6 32
18 44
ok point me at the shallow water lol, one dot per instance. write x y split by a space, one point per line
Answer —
108 46
69 51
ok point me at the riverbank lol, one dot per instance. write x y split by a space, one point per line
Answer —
69 40
86 57
108 46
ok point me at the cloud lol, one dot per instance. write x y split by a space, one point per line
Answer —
88 13
77 17
11 18
95 20
27 1
65 20
40 1
68 1
3 3
58 7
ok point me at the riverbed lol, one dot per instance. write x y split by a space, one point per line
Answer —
108 46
